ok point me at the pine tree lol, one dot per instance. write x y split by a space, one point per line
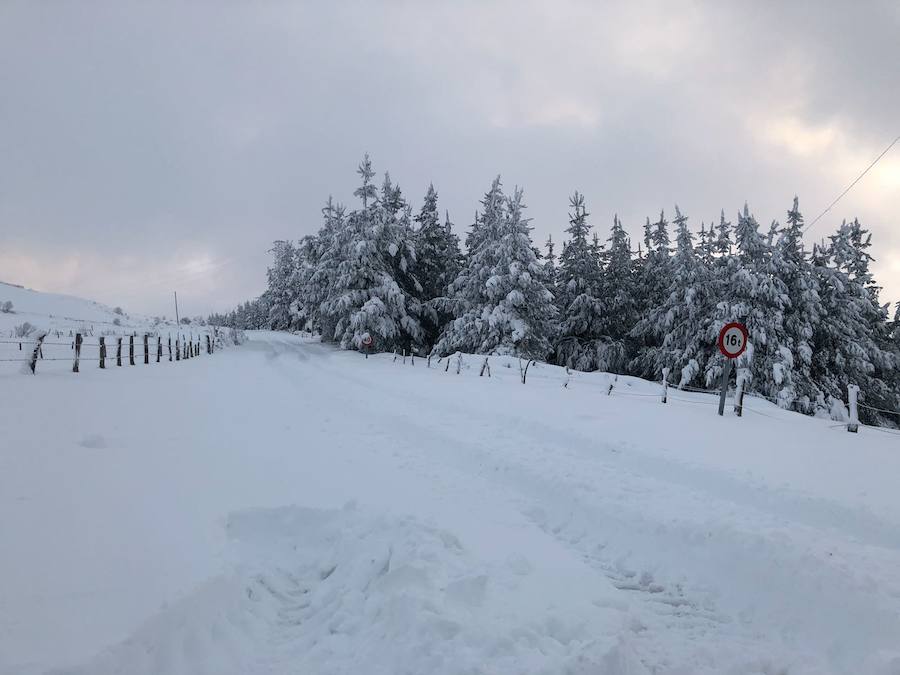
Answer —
281 292
365 299
792 266
655 275
680 326
578 292
437 249
755 296
502 304
852 341
617 293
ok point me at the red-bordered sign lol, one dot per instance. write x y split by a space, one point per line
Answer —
367 341
733 339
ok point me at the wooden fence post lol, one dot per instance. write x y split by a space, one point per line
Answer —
146 349
665 384
170 347
739 397
485 366
208 345
118 351
177 348
131 349
34 355
158 348
78 340
102 352
852 396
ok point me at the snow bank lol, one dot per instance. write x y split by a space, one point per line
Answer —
344 592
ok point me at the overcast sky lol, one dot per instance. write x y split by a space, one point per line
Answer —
146 147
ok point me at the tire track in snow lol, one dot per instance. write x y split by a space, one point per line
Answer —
703 555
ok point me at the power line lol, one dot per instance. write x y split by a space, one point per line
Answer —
849 187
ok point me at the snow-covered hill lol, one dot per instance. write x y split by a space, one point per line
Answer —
285 507
63 312
28 313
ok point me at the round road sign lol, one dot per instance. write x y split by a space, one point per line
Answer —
733 339
367 341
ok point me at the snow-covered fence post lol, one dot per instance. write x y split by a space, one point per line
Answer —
404 357
78 339
118 351
447 366
208 344
102 352
131 349
177 348
852 397
395 355
412 357
458 362
170 347
146 349
739 396
485 367
428 362
665 384
34 355
158 348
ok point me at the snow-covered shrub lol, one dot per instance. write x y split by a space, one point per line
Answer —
6 307
23 330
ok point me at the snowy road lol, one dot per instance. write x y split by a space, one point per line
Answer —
284 507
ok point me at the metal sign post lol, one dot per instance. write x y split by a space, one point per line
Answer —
732 343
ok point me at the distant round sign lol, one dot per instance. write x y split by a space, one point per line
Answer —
367 341
733 339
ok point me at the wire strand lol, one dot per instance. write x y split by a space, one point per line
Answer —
850 187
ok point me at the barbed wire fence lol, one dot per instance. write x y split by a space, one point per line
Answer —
81 346
612 388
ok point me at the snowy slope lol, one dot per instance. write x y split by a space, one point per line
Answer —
61 317
285 507
54 311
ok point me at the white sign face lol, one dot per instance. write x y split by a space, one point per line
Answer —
733 340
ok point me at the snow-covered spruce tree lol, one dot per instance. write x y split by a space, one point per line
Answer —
550 264
706 245
851 342
617 293
681 324
502 305
365 299
578 289
488 222
438 262
754 295
793 267
437 249
654 279
281 292
325 252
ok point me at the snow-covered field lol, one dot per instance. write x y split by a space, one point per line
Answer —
283 507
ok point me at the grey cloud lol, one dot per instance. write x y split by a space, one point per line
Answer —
170 131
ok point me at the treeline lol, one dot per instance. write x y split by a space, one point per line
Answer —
382 272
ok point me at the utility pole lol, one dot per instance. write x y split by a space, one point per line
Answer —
177 322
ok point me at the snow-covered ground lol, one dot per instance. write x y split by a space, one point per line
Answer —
283 507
